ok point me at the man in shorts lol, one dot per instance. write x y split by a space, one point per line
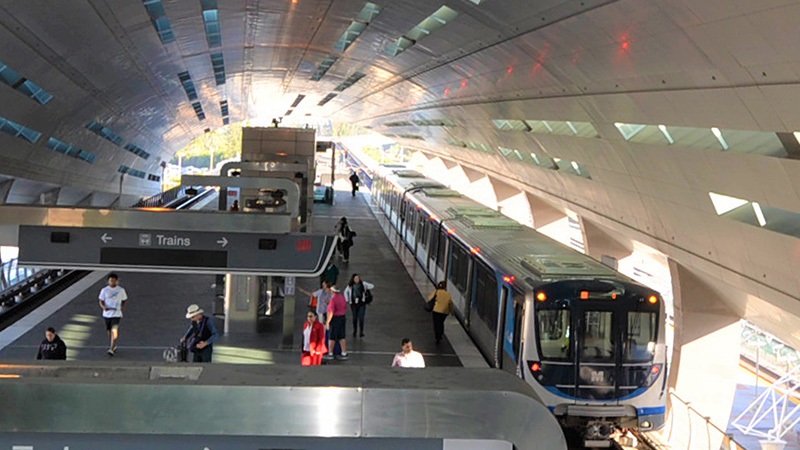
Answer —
112 301
336 322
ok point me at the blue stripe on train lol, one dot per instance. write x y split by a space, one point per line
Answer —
652 411
556 391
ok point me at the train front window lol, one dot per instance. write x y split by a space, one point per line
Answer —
554 333
598 336
640 336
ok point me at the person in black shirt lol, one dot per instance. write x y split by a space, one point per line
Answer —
52 347
201 334
354 181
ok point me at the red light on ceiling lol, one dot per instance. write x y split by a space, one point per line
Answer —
303 245
447 91
510 70
464 83
625 45
535 367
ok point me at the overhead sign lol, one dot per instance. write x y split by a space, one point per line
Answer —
297 254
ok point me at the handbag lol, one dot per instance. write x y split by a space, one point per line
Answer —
431 303
367 297
313 302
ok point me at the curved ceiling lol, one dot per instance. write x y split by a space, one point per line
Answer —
653 105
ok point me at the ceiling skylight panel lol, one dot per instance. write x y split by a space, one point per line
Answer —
104 132
19 131
223 108
218 64
369 12
351 80
188 85
667 135
12 78
66 149
136 150
438 19
326 99
158 17
350 35
211 23
324 66
297 100
629 130
198 110
720 138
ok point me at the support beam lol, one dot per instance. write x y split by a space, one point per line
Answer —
790 144
86 201
543 213
50 197
5 190
600 242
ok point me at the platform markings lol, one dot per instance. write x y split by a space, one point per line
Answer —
31 320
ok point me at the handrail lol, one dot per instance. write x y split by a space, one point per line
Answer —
162 198
12 274
713 434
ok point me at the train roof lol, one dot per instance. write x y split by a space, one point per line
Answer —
515 249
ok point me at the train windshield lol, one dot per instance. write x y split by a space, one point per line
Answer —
598 336
554 334
640 336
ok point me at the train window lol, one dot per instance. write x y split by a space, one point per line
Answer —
554 333
434 240
422 235
519 312
459 268
486 296
598 336
440 252
640 336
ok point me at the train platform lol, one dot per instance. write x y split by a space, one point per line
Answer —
154 315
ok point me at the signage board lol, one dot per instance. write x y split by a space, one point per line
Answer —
278 254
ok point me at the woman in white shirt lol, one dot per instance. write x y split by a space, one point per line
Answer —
358 294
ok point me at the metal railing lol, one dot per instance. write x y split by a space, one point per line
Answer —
162 198
12 274
687 428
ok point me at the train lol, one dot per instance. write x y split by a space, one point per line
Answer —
588 340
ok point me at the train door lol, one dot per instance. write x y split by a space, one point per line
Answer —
423 224
459 269
442 255
597 353
433 249
512 334
484 307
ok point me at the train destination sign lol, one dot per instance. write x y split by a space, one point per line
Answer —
289 254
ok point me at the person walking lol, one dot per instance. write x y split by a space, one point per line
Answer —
337 323
408 357
354 181
201 335
313 341
357 296
52 347
442 308
345 241
112 301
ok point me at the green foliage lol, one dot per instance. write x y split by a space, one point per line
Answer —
223 143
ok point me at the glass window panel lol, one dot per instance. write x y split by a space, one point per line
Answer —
598 336
640 337
554 333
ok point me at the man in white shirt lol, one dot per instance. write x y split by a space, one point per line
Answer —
408 357
112 301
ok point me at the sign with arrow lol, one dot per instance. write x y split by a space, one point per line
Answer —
288 254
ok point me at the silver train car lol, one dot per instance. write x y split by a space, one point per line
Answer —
587 339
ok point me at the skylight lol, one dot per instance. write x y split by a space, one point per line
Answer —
136 150
198 109
560 127
132 172
188 85
325 100
10 77
402 123
19 131
153 177
104 132
158 17
211 22
510 153
351 80
720 138
66 149
297 100
434 123
323 67
665 132
218 64
629 130
438 19
223 108
755 214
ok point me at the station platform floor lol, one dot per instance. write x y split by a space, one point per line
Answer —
154 315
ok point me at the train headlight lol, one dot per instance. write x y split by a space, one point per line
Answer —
541 296
652 375
646 425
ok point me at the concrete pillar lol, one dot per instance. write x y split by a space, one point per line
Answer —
705 360
242 293
288 312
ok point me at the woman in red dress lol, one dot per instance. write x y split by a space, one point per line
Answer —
313 341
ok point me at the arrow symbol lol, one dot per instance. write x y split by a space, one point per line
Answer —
105 238
223 242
